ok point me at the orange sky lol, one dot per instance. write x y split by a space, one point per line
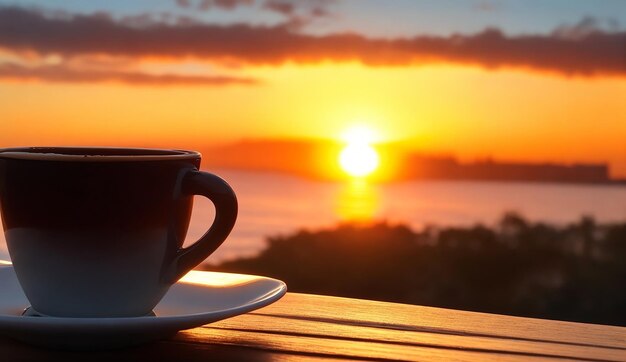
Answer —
194 78
512 114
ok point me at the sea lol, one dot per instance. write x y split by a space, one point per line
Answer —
273 204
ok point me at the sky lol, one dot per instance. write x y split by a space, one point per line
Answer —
532 81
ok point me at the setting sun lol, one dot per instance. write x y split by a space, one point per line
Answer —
359 158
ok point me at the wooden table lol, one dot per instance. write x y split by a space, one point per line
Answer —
312 327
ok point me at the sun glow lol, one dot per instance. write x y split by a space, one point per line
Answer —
359 158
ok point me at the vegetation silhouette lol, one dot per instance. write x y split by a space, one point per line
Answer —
574 272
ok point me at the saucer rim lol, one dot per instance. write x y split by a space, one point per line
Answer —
266 298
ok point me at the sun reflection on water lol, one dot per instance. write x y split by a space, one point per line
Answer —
358 201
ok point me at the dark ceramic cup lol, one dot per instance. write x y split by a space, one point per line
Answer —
98 232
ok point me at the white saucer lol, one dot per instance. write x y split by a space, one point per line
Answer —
197 299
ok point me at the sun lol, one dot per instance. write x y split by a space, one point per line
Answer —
358 158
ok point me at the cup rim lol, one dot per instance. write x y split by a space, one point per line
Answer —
97 154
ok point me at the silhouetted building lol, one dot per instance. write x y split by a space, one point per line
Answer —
423 167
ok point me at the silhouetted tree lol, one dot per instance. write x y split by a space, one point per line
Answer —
575 272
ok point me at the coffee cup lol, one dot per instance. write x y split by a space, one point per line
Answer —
98 232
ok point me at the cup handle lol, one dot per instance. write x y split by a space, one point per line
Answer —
223 197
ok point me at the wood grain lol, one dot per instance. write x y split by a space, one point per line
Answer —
440 320
306 327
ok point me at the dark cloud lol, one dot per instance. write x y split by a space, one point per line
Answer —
31 31
60 73
224 4
319 12
299 13
286 8
586 26
183 3
213 4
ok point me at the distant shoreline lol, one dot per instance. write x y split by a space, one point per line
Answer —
318 160
608 182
